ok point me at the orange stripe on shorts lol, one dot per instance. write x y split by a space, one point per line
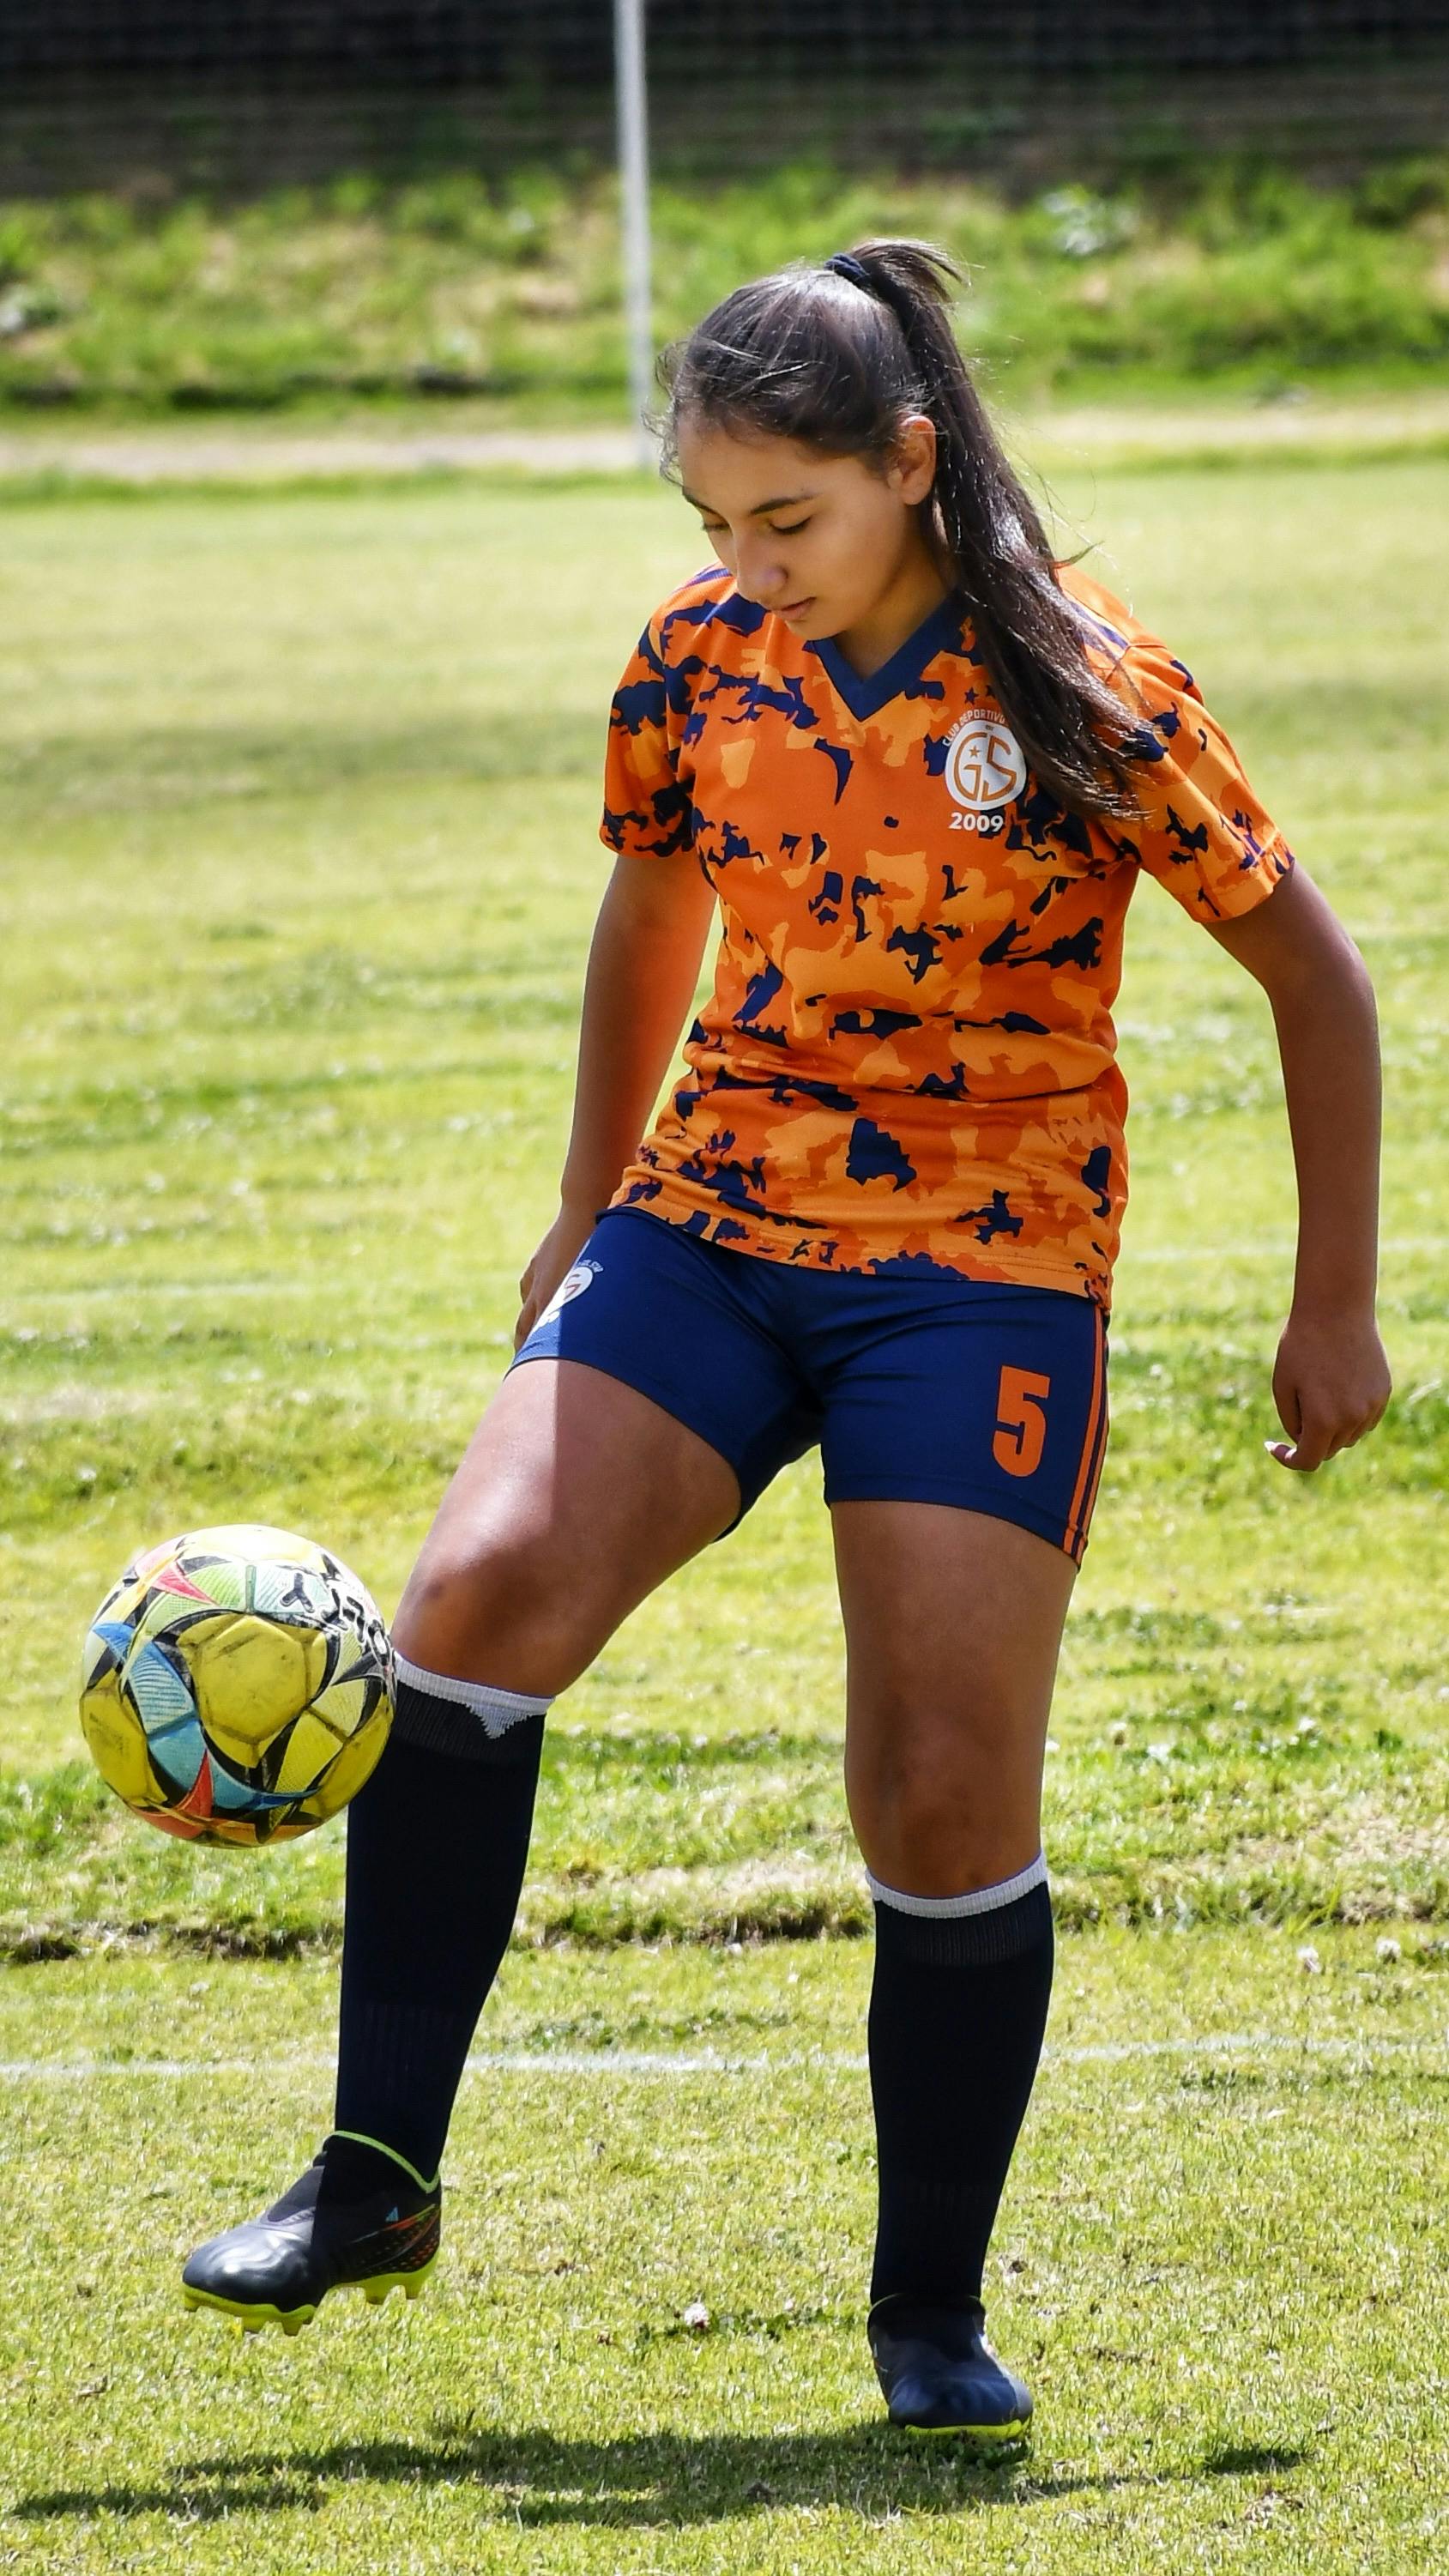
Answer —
1094 1448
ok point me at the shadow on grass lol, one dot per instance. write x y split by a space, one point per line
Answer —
1250 2460
664 2479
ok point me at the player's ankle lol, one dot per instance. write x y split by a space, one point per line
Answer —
354 2166
948 2322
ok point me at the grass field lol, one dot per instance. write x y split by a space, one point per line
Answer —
299 802
1219 2264
1220 272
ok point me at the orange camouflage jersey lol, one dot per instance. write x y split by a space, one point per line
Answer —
908 1057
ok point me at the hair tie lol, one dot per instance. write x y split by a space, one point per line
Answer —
841 264
886 290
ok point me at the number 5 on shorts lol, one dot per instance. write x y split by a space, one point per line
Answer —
1020 1421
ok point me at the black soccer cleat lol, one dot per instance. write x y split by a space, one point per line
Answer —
938 2373
277 2269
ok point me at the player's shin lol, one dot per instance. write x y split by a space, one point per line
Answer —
436 1848
957 2014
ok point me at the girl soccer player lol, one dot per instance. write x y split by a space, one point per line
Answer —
919 764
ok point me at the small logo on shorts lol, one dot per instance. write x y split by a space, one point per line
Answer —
582 1276
985 770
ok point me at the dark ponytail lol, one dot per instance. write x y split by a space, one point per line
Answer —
836 358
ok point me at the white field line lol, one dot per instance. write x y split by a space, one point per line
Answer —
1076 438
141 457
670 2065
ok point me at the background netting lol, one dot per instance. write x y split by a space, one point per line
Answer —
240 94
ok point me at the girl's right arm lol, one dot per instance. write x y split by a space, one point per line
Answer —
643 969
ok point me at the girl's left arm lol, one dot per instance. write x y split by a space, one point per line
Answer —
1331 1380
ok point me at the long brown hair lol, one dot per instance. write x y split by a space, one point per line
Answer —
836 358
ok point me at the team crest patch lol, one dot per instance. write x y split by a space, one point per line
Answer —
582 1276
985 771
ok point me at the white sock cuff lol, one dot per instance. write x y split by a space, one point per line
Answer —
978 1900
496 1710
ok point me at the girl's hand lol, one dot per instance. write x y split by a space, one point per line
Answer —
552 1262
1331 1383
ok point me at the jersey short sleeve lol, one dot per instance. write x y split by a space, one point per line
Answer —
646 808
1200 828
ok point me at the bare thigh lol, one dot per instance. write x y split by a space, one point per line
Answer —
576 1498
953 1624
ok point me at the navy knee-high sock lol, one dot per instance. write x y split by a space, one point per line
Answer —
957 2012
437 1841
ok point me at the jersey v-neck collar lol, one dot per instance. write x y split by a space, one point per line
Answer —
941 633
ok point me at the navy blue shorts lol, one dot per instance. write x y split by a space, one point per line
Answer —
920 1389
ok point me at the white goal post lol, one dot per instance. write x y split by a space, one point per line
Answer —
632 116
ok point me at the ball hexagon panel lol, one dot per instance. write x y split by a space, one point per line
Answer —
250 1678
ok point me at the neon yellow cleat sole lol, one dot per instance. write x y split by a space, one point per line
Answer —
249 2316
994 2437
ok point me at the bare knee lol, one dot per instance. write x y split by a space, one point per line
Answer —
933 1823
501 1609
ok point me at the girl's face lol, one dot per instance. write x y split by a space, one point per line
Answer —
829 543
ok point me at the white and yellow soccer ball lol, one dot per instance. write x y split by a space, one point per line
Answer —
237 1685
